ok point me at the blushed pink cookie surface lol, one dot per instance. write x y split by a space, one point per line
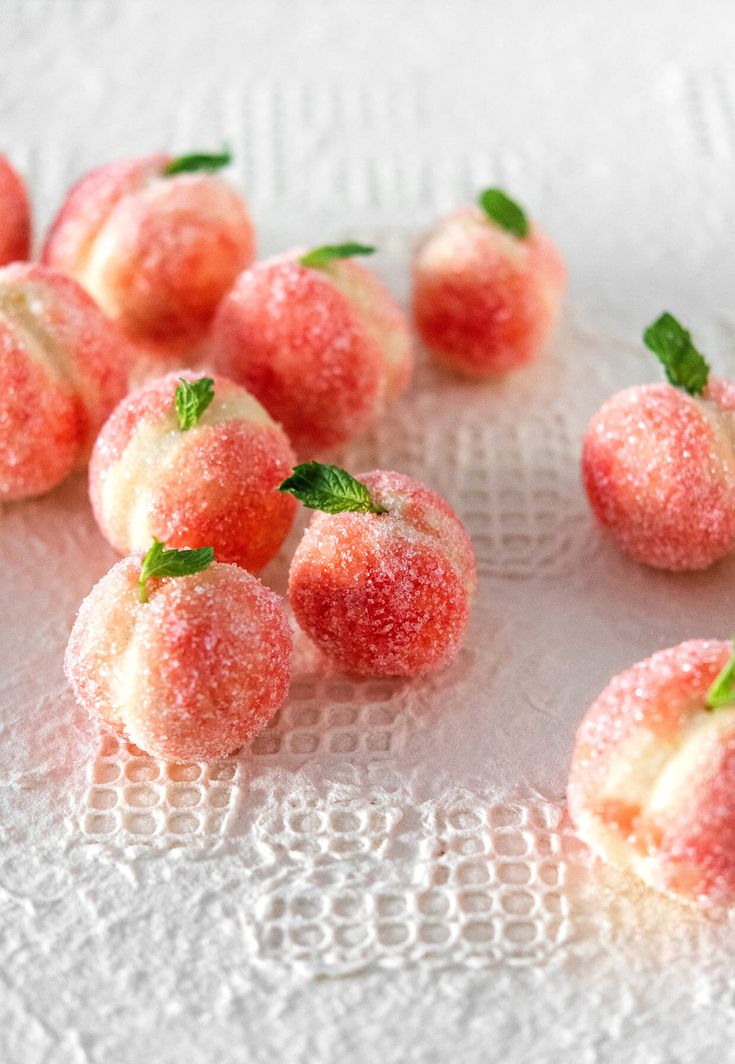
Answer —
63 367
157 252
485 301
652 781
386 594
15 215
659 472
214 484
322 348
193 673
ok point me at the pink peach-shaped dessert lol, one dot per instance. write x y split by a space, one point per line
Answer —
487 288
658 461
317 340
156 241
383 580
187 667
15 215
63 367
652 782
193 463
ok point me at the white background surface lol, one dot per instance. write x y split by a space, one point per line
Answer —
354 888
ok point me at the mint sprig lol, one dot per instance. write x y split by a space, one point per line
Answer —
159 563
195 163
329 488
192 399
318 257
505 212
685 366
722 691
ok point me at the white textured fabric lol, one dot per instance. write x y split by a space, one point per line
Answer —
409 835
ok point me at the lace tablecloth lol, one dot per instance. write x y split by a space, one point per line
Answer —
409 838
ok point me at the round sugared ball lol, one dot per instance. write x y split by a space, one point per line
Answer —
15 215
156 251
386 593
485 301
659 471
652 782
63 367
213 484
193 673
323 348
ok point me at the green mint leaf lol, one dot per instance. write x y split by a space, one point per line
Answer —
504 211
329 488
328 252
192 399
722 691
189 164
160 562
685 367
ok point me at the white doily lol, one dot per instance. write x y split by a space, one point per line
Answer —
410 835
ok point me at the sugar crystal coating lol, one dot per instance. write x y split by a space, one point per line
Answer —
659 471
323 349
215 484
484 301
193 673
63 366
156 252
15 215
386 594
652 782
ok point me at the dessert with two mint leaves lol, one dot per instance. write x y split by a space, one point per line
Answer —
63 367
658 460
317 339
383 579
652 782
195 462
157 241
184 656
15 215
487 288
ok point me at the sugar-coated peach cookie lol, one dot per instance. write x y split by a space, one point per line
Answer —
157 241
487 288
63 367
15 215
317 339
194 671
383 580
652 782
193 462
658 461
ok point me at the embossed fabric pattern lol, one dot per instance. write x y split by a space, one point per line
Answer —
387 873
